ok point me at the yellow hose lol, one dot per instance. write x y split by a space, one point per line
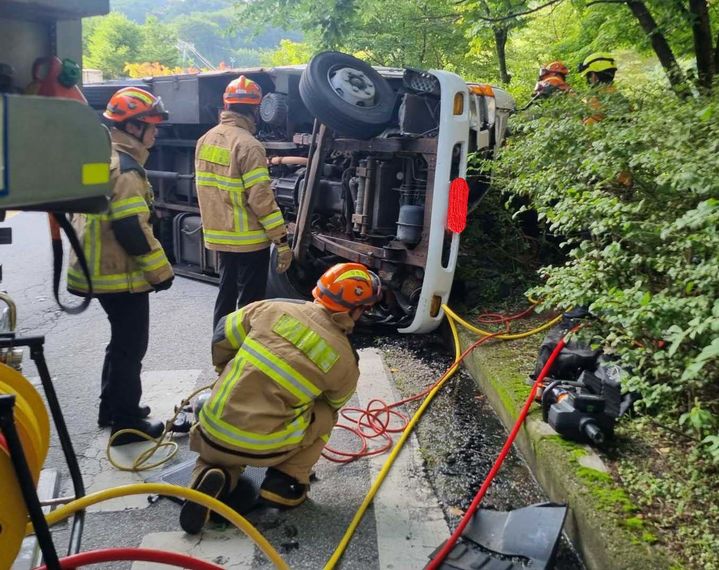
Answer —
140 462
453 316
332 562
176 491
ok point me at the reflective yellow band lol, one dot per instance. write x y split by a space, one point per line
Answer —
272 220
230 435
107 283
311 344
325 437
232 238
351 274
215 154
218 401
279 371
337 404
127 207
226 183
152 261
255 176
234 331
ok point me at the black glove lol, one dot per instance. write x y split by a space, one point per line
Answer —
163 285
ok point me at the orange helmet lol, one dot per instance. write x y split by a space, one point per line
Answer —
554 68
133 103
347 286
242 91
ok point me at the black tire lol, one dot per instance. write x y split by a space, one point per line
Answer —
340 115
284 285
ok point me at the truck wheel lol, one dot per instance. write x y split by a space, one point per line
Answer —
347 95
284 285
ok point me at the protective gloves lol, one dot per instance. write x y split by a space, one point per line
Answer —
284 257
163 285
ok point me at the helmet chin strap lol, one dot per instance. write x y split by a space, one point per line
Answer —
143 126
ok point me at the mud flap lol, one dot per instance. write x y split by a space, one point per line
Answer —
514 540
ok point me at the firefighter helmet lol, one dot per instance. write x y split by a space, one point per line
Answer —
133 103
597 63
242 91
554 68
346 286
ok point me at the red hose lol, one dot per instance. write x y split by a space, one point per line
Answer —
376 416
135 555
449 545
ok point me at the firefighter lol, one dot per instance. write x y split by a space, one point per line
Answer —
599 70
240 217
552 78
287 367
126 261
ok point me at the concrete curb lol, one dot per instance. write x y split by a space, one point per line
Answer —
602 523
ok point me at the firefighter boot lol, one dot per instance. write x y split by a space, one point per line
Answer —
194 516
150 428
105 419
280 490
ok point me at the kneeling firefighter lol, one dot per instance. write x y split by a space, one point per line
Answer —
126 261
287 367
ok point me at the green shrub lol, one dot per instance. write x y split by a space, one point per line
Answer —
636 199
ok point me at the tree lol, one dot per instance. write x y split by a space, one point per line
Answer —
159 43
498 17
289 53
113 42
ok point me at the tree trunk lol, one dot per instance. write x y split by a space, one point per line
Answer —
716 55
701 28
661 46
500 41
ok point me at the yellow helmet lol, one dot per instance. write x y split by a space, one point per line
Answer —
598 62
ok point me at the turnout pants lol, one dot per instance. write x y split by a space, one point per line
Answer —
243 279
129 316
297 462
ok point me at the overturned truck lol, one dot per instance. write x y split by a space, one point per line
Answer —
361 161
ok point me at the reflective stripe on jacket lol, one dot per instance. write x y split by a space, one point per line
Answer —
238 207
277 358
112 268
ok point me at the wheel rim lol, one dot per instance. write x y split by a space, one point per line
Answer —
352 86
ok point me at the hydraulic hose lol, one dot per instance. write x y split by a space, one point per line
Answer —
335 558
176 491
141 461
449 544
135 555
510 336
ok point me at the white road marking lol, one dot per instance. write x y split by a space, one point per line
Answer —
162 391
228 548
410 521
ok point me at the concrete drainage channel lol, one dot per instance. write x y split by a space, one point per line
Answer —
460 435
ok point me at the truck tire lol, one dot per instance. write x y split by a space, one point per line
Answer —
347 95
283 285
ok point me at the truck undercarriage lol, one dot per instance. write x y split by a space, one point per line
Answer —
361 160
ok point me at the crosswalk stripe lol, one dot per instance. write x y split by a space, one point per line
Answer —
410 521
229 548
162 390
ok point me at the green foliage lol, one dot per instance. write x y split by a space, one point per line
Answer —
678 493
113 41
636 197
288 53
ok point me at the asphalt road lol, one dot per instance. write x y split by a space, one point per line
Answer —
406 522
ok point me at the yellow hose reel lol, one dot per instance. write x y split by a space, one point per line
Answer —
33 427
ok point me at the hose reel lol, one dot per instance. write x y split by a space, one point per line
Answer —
33 426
